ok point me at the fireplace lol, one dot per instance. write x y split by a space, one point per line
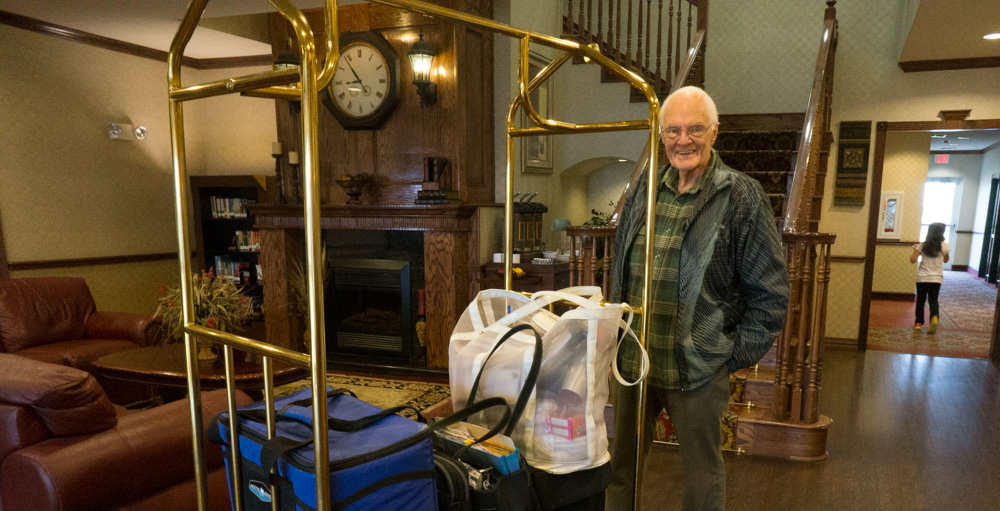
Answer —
368 307
444 237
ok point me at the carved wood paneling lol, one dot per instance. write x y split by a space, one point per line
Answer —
459 127
440 299
280 245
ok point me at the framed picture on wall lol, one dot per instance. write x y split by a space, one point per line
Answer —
538 149
890 217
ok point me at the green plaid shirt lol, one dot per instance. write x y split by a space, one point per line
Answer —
672 210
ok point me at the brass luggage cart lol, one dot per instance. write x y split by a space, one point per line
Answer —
312 79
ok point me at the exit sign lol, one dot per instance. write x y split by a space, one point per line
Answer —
940 158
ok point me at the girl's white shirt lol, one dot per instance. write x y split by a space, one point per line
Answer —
931 269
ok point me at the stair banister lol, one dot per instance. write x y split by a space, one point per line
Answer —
798 364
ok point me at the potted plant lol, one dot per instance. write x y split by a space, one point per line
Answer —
218 303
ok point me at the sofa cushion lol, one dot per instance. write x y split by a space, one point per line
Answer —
79 353
42 310
67 400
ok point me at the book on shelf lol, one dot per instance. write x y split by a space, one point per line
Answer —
226 267
246 241
230 207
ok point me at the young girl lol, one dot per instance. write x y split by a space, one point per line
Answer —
933 253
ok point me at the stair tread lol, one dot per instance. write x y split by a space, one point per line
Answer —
763 415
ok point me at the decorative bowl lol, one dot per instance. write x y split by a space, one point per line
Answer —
353 186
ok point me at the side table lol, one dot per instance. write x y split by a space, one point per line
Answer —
162 369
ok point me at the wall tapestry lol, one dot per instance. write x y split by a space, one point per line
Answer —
852 163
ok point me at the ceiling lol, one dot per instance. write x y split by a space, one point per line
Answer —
941 29
953 141
953 29
152 23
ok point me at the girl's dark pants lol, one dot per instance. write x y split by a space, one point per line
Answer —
927 291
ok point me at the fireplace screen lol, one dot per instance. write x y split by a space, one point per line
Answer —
368 307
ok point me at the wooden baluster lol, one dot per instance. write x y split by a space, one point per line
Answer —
811 407
573 278
786 339
618 30
677 43
606 276
649 39
600 22
590 18
638 47
690 6
628 39
805 300
568 24
579 21
592 259
670 44
659 47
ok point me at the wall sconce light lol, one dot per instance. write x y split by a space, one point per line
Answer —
287 58
118 131
421 58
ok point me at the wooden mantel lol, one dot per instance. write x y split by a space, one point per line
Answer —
451 253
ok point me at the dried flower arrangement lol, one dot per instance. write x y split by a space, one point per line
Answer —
218 303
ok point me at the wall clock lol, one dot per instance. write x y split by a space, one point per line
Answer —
365 87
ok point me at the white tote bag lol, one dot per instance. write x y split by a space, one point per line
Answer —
562 429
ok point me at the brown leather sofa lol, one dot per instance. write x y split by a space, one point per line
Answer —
54 319
65 447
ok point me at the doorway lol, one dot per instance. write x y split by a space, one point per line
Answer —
876 190
941 206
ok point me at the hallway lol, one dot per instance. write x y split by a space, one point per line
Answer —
966 313
910 432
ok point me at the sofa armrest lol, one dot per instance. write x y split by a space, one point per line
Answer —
19 428
147 453
143 329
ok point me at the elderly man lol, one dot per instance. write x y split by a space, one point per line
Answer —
719 297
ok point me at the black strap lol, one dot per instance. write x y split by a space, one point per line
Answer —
279 446
529 381
380 484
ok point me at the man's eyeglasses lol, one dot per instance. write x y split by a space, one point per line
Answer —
695 132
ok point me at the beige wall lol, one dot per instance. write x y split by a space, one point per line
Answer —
905 170
67 191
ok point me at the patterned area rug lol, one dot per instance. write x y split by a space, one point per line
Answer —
968 301
432 399
947 343
966 307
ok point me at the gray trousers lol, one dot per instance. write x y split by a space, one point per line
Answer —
695 416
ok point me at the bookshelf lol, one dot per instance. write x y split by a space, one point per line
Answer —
225 238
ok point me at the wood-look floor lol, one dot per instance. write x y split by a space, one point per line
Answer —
910 432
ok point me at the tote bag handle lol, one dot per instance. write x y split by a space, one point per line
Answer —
529 381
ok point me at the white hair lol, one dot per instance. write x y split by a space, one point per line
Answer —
713 112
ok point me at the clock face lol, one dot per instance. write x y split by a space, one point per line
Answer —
365 86
361 83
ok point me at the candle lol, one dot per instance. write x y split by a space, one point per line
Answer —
293 157
276 148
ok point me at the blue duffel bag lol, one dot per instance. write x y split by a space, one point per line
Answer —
378 460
